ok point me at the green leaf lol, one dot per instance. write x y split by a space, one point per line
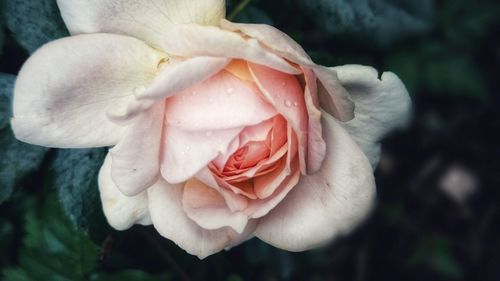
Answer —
34 22
6 88
434 252
382 21
129 275
75 174
17 159
53 249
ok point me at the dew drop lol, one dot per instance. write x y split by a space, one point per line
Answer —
230 90
288 103
211 100
295 104
188 148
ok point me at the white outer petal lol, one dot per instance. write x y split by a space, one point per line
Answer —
121 211
171 221
381 105
63 91
143 19
326 204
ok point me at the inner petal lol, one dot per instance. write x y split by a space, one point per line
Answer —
220 102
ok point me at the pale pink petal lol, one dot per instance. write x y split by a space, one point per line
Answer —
265 185
260 208
243 188
176 76
144 19
239 68
316 147
136 158
221 102
275 39
185 152
63 91
381 105
196 40
235 202
222 158
172 222
333 98
208 209
326 204
264 165
257 132
121 211
337 101
287 96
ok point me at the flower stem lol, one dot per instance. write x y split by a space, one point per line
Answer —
241 6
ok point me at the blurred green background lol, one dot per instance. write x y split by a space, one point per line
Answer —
438 210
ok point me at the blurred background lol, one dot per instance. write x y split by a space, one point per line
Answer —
438 207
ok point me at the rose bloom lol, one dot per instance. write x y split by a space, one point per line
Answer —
219 131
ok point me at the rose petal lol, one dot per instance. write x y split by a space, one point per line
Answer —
338 101
144 19
64 90
221 102
185 153
136 158
257 132
273 38
265 185
286 95
177 76
260 208
208 208
326 204
334 99
381 105
121 211
316 147
234 201
171 221
195 40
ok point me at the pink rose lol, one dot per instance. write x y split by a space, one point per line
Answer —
220 131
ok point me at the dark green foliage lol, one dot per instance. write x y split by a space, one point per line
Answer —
381 21
17 159
34 22
75 174
53 249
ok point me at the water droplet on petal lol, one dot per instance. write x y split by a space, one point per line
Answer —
188 148
288 103
230 90
211 100
295 104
